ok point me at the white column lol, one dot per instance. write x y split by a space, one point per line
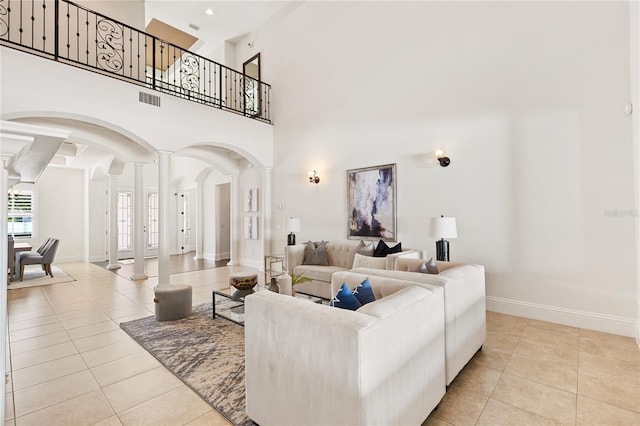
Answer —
163 220
3 279
138 224
266 210
112 233
199 220
235 221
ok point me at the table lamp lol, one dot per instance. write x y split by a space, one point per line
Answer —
443 227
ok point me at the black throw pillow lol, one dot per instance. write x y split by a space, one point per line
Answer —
382 250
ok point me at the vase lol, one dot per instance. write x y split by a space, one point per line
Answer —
284 283
274 286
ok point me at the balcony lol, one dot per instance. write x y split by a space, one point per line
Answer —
74 35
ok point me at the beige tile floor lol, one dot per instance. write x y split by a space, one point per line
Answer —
71 364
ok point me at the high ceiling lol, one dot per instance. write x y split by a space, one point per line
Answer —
229 20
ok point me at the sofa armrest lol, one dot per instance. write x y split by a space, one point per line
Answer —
406 254
294 256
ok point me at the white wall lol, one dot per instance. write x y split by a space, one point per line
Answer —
251 251
95 249
527 98
634 54
60 211
223 221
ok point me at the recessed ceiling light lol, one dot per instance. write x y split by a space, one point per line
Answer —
209 11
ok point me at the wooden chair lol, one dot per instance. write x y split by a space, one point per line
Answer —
11 259
45 258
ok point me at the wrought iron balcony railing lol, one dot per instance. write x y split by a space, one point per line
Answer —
69 33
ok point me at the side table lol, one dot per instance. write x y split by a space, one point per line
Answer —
273 267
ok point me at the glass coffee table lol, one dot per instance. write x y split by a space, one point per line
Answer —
228 303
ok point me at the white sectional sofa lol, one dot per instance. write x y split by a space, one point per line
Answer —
464 304
341 255
313 364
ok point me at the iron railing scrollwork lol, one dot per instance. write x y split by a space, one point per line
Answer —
66 32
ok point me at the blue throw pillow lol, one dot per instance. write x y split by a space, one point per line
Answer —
364 292
345 299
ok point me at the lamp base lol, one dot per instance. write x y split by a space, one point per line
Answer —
291 239
442 250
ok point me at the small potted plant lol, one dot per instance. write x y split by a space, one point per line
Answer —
297 279
286 283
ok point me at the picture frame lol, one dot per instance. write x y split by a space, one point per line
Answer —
251 200
250 227
371 203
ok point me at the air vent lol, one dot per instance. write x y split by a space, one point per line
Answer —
150 99
194 27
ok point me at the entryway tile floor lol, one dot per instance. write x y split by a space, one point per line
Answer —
71 364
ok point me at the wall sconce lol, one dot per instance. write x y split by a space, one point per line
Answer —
442 157
313 177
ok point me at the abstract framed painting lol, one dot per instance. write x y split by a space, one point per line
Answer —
371 203
250 227
251 200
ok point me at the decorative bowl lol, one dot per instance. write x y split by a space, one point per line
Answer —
244 282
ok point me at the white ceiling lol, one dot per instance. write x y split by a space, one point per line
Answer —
231 19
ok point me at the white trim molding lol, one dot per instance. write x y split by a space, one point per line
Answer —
571 317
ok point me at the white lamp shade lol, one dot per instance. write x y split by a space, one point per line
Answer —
293 224
443 227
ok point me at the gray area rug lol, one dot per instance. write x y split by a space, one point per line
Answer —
206 354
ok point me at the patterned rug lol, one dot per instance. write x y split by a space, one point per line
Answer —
206 354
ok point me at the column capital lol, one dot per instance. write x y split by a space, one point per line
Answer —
163 153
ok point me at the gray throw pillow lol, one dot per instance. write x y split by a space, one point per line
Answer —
429 267
366 250
316 254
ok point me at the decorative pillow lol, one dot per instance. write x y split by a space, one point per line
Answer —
429 267
360 261
364 293
345 299
382 250
316 254
367 250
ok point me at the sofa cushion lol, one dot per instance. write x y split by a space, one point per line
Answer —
315 253
382 249
317 272
364 293
361 261
345 299
428 267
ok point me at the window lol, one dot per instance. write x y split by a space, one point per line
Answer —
20 209
125 211
152 216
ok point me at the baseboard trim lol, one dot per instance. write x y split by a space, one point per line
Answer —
251 263
221 256
582 319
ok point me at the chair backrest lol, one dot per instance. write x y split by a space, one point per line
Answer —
50 252
44 246
10 252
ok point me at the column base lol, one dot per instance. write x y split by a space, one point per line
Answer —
172 303
136 277
112 266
